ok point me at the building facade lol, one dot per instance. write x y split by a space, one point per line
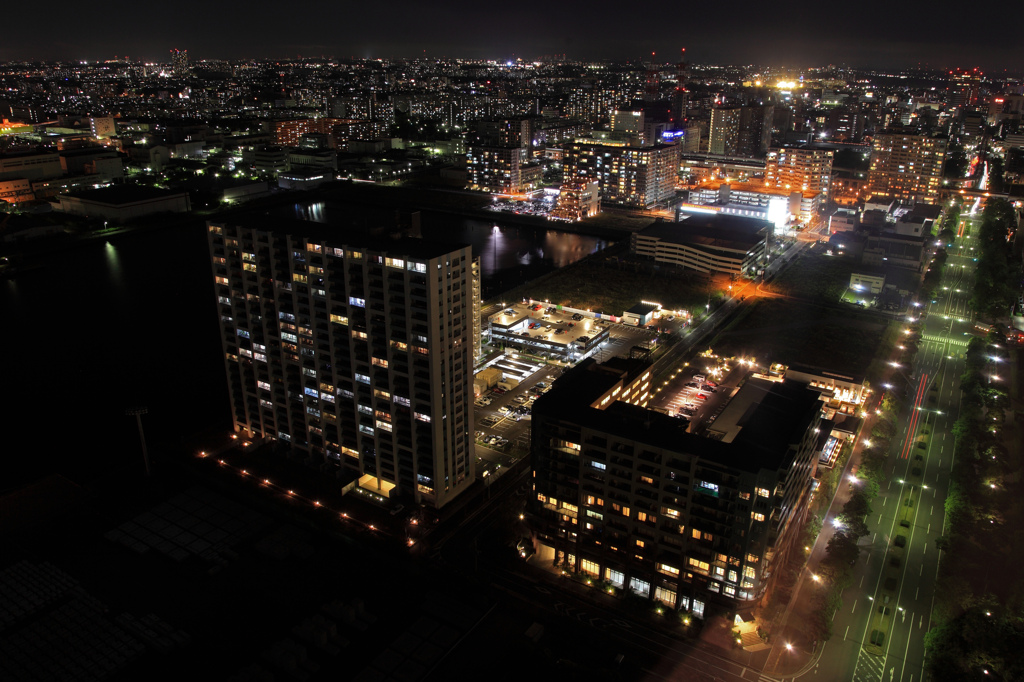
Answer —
741 130
498 169
729 245
799 169
906 167
626 495
358 352
639 177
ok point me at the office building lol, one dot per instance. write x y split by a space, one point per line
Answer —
354 349
799 169
625 494
963 89
781 207
906 167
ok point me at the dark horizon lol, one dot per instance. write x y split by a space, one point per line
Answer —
872 35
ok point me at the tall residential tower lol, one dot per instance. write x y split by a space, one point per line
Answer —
354 349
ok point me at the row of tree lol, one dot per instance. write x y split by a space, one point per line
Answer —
836 570
978 619
999 276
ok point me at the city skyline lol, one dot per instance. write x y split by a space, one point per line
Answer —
875 35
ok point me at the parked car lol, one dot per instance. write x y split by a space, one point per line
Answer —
701 396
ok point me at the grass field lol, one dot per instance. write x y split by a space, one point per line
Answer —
815 276
774 330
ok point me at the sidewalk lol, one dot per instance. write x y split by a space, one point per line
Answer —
794 651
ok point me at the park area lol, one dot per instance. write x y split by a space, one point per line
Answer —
790 332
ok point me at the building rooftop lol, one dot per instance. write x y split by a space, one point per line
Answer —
711 230
373 238
766 422
119 195
642 309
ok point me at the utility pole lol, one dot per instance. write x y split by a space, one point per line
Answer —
137 412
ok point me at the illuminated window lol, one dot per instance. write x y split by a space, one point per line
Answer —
668 570
757 516
763 492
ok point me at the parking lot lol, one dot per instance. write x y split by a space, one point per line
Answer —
698 391
503 417
502 429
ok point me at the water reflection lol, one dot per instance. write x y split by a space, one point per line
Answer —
508 255
113 264
312 211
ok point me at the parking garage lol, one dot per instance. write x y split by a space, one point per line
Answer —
547 331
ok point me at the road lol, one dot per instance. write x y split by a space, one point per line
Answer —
879 629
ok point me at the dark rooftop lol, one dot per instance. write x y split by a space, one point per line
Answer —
711 230
374 238
117 195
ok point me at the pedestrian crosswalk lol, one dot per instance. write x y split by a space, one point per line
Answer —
943 339
870 668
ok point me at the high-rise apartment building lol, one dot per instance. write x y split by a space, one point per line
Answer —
906 167
639 177
741 130
627 495
799 169
179 63
494 168
724 133
289 133
356 350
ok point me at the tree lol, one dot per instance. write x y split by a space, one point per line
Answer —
883 428
842 548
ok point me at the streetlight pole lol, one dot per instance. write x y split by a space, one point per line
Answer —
137 412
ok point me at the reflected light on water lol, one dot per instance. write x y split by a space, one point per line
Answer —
113 261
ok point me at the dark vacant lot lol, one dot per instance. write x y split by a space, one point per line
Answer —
776 330
612 287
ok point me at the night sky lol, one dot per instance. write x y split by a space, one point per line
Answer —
873 33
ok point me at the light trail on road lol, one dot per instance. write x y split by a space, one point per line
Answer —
916 413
